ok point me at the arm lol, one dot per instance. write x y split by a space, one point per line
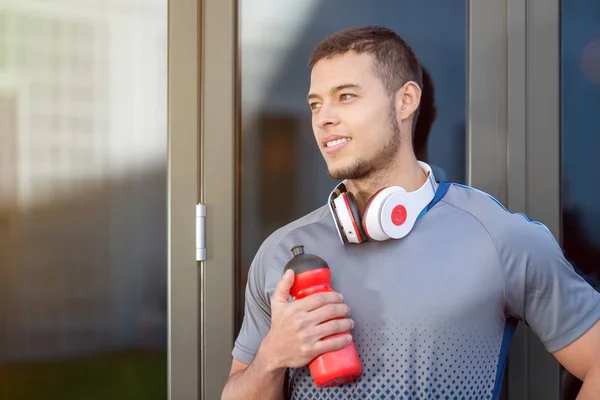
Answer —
255 381
250 377
562 309
582 359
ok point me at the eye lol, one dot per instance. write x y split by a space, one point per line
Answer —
346 96
314 106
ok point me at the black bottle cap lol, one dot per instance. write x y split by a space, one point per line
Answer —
302 262
297 250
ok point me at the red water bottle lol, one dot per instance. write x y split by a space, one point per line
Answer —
312 275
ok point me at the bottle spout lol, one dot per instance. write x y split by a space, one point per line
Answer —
302 262
297 250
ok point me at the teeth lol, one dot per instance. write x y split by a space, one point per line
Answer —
336 142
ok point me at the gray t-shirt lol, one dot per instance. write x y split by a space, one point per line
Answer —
435 311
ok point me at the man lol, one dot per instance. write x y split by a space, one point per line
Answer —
431 310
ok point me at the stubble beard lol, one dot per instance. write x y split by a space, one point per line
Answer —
361 168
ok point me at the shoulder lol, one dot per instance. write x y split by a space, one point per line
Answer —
507 230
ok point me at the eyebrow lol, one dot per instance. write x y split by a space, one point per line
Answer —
334 90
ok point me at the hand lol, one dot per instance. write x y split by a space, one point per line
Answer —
298 327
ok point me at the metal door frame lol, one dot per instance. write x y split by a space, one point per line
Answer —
183 194
219 125
202 115
534 164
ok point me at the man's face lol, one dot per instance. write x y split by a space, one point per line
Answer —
353 118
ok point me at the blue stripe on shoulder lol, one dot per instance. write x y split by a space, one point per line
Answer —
501 205
439 193
484 193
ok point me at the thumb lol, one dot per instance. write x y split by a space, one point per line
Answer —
282 291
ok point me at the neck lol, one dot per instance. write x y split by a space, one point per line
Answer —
405 173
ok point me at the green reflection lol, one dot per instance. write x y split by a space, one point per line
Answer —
120 376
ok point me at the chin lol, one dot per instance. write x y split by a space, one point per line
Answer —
356 169
339 170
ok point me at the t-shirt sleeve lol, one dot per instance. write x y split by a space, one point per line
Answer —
542 288
257 312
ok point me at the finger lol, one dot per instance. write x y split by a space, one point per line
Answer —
332 344
318 300
282 291
329 312
333 327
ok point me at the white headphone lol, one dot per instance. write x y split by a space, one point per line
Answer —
390 213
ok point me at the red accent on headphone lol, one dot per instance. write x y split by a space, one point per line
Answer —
399 215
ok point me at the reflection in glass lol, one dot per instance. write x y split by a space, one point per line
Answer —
82 200
580 102
283 174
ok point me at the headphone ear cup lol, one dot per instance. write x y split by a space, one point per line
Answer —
347 218
372 217
356 215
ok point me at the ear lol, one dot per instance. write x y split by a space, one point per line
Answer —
408 99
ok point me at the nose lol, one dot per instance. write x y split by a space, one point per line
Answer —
327 116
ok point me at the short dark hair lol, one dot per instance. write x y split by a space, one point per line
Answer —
395 62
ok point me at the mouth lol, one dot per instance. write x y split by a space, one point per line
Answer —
333 144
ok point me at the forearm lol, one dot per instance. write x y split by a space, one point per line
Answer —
257 382
591 386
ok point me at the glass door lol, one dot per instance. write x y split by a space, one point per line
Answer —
579 121
83 210
262 168
99 150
